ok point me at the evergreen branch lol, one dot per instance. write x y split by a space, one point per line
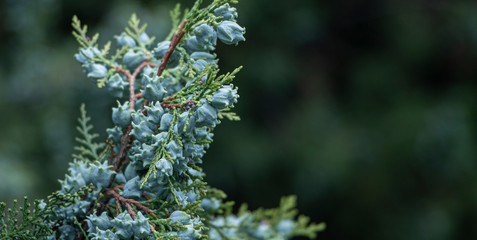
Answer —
80 33
31 225
200 89
173 193
127 202
161 151
106 48
35 219
78 224
119 52
287 210
197 14
231 116
88 150
304 228
121 157
135 30
194 95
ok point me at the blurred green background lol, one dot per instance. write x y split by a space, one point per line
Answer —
364 109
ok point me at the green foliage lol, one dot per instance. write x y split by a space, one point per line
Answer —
135 30
231 116
80 34
32 221
287 210
148 182
88 149
162 151
199 15
28 225
315 117
247 224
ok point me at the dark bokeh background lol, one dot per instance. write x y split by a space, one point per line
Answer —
364 109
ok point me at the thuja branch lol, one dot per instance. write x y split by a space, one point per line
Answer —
126 139
165 139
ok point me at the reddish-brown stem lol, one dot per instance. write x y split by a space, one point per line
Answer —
146 196
111 148
132 80
175 41
130 210
139 95
121 157
127 202
123 71
132 94
143 110
118 205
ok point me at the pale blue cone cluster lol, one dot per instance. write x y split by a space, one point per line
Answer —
172 139
92 69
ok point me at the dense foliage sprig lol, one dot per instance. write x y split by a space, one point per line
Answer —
145 180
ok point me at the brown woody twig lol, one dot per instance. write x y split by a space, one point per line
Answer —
128 202
175 41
